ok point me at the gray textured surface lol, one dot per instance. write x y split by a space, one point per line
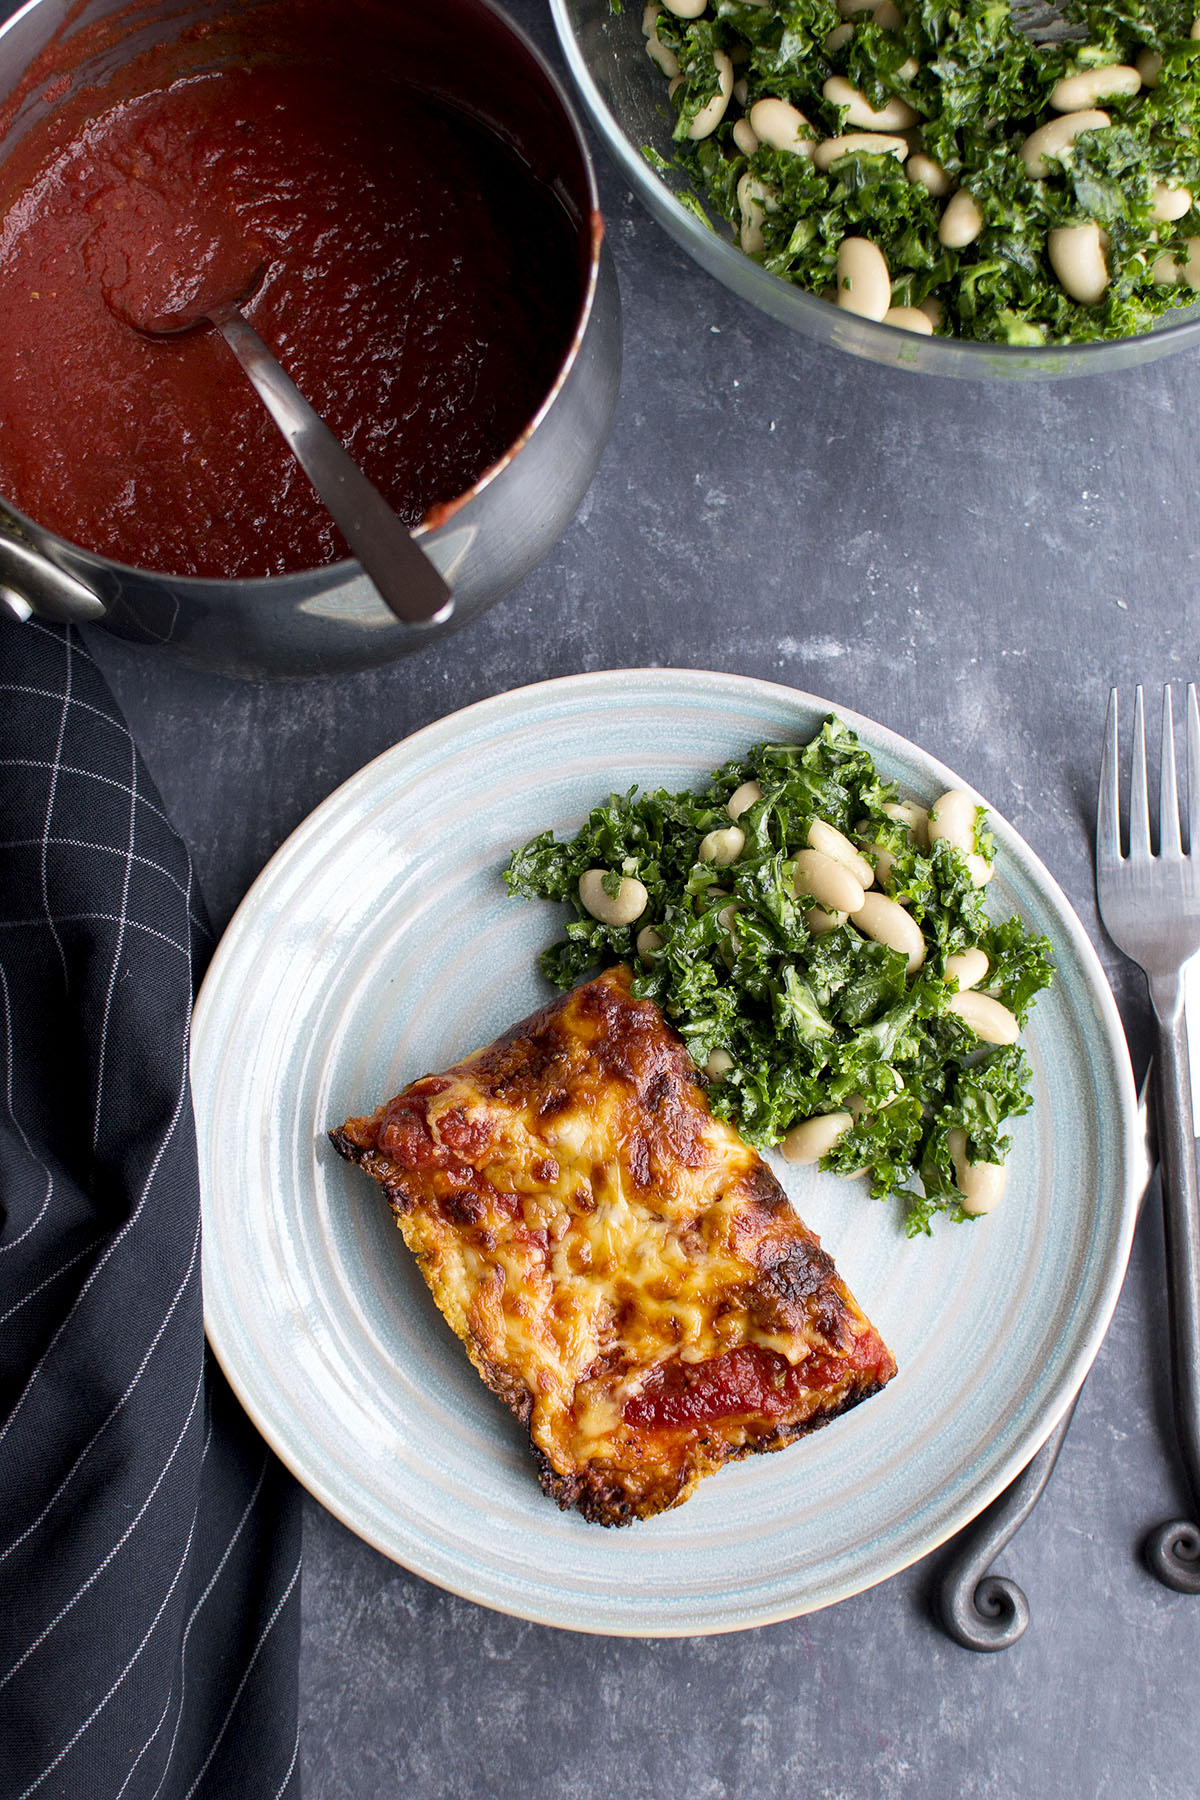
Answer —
972 566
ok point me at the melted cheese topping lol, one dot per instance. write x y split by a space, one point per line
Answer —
605 1236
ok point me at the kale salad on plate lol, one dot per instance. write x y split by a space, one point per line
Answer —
927 164
823 947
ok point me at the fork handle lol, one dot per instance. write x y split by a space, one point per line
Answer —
1173 1549
979 1610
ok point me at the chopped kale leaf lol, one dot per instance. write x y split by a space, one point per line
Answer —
977 87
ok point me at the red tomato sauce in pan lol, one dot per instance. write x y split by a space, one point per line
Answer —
419 283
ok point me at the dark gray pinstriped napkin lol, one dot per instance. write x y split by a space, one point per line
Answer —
149 1543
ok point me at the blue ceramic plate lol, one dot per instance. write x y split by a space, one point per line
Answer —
379 944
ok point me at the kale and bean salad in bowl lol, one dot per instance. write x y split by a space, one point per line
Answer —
927 165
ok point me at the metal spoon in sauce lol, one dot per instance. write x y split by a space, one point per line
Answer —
408 581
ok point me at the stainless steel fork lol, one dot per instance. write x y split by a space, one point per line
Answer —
1150 905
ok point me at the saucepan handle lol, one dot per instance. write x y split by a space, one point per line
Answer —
31 586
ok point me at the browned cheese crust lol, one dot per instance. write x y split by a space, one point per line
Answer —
625 1273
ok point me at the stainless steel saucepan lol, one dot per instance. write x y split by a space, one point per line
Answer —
332 619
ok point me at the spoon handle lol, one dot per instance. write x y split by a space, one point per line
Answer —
406 578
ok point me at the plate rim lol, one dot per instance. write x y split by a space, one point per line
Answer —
1070 1378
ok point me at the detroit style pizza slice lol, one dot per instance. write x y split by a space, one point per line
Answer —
624 1272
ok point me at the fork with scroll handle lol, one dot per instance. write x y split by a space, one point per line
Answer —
981 1610
1150 904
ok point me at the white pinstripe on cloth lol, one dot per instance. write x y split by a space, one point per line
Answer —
149 1545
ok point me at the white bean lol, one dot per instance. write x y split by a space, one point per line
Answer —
909 318
743 798
650 16
987 1018
864 285
662 55
980 1183
1169 203
967 967
1195 31
885 862
1165 270
841 34
884 859
1076 255
953 818
907 812
820 920
858 1106
754 199
887 922
782 126
727 919
722 847
741 91
922 170
1149 67
933 309
622 908
1056 138
718 1065
1076 93
885 13
894 115
685 9
826 882
814 1138
961 221
1190 268
744 138
713 111
874 143
832 842
648 943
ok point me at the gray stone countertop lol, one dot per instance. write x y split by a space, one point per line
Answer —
973 566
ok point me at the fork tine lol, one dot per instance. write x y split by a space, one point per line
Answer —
1193 770
1108 806
1168 787
1139 804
